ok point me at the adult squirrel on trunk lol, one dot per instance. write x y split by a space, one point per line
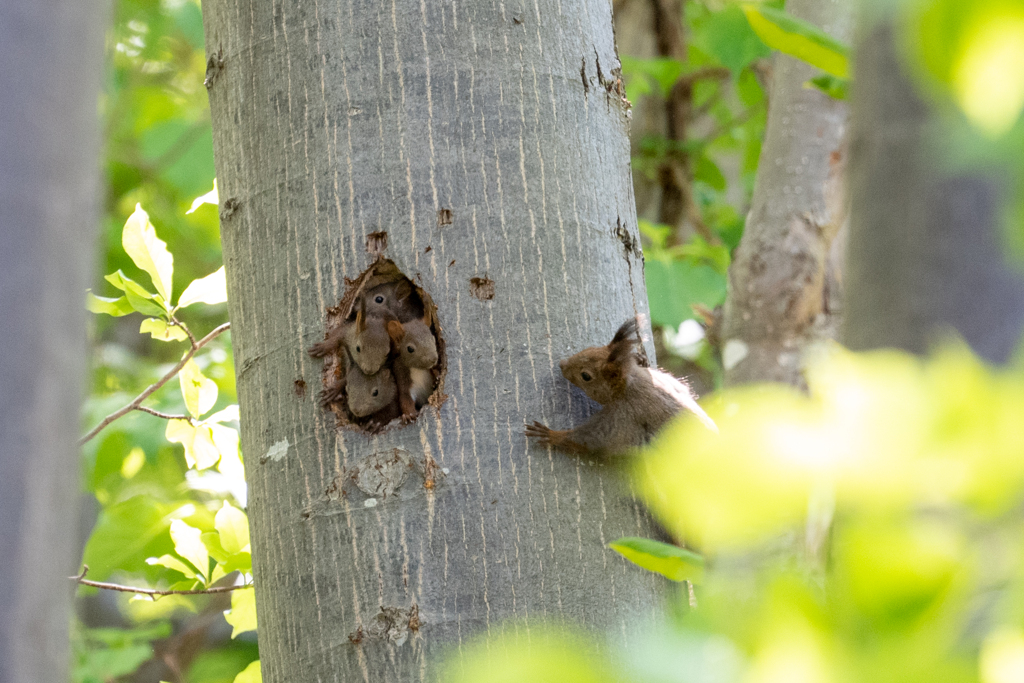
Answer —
637 401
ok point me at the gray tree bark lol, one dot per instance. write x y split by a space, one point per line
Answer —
489 142
777 282
924 250
49 143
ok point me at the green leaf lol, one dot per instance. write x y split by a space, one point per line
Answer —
233 526
211 539
670 561
229 414
189 544
159 329
799 39
115 307
242 615
199 391
211 289
836 88
125 535
171 562
140 299
148 251
250 674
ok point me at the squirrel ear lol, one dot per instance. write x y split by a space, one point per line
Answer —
395 331
403 290
611 373
360 320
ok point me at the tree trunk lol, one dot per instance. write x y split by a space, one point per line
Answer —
777 282
924 249
49 142
489 143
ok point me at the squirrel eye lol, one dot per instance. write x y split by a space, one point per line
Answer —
379 299
410 349
358 349
586 376
375 391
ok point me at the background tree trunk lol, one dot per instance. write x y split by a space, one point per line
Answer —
488 142
777 293
924 250
51 54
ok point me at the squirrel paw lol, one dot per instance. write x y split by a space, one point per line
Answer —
321 349
542 433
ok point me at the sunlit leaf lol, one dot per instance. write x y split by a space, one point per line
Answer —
210 197
250 674
233 527
727 35
798 38
1002 656
199 391
670 561
229 414
171 562
160 330
138 297
211 289
200 450
148 251
189 544
242 615
115 307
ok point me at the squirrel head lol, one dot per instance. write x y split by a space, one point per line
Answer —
600 371
368 341
390 299
369 393
415 343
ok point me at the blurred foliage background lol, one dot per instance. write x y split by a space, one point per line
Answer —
870 531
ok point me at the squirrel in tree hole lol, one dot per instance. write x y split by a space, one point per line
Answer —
637 401
415 349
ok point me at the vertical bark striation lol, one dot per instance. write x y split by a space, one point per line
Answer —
777 279
470 134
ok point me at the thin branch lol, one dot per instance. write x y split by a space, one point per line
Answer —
175 321
165 416
149 591
718 73
156 385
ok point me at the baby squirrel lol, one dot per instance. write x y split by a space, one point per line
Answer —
368 394
637 401
415 349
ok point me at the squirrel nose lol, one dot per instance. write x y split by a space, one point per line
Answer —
561 364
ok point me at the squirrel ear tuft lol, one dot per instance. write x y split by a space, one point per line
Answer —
361 320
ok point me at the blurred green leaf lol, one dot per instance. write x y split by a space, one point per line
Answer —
242 615
836 88
233 526
211 197
707 172
727 35
162 331
114 307
125 535
674 287
670 561
798 38
250 674
174 563
200 450
148 251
